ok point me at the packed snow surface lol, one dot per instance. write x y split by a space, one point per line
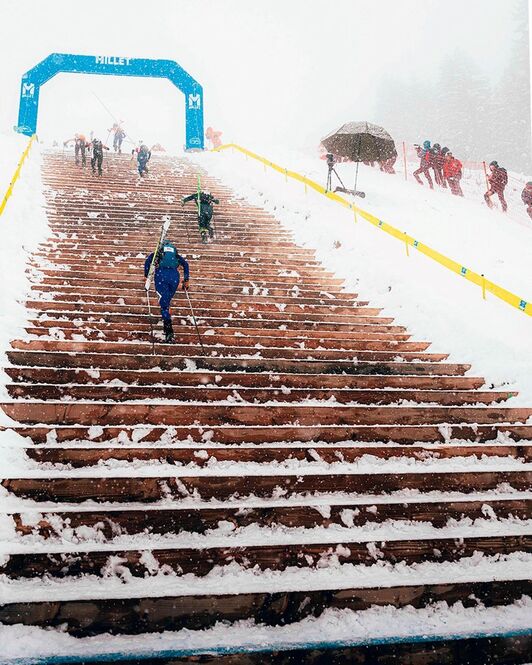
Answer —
431 301
23 225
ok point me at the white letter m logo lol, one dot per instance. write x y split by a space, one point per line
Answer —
194 101
28 89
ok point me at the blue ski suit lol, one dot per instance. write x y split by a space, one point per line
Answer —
166 275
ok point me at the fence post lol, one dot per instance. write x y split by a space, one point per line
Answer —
404 160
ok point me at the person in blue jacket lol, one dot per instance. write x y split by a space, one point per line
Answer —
166 280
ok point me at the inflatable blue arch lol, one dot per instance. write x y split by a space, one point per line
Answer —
57 63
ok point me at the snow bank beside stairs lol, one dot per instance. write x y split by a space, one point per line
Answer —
23 226
434 303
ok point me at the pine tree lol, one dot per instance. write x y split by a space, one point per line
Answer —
511 130
465 107
476 118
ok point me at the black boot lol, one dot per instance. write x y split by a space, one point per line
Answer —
168 332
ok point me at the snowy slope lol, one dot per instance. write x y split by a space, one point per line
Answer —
431 301
23 226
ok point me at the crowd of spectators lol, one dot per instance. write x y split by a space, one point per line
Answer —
440 163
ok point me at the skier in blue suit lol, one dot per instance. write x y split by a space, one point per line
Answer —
166 280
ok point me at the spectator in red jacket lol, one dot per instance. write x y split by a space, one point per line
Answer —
214 137
437 164
425 163
526 197
497 180
387 165
452 173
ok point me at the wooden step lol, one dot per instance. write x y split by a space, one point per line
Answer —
236 434
61 375
86 456
202 561
94 413
230 364
177 349
108 522
222 487
251 395
83 618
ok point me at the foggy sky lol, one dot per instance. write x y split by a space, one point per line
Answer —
273 71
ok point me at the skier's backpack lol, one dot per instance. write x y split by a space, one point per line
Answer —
168 257
503 176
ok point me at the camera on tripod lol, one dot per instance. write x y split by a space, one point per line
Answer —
331 161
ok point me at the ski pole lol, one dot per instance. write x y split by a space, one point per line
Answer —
195 323
152 335
186 225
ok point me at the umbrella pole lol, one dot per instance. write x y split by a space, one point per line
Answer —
358 161
356 177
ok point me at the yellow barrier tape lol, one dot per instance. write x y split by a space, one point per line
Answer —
16 174
485 284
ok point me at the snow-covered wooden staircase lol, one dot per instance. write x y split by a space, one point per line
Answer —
316 457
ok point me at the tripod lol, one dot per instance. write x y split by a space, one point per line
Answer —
332 170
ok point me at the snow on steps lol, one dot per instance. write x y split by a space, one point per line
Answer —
317 461
441 635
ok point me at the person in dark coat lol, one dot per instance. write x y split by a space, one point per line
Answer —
526 198
437 164
80 148
452 172
204 201
143 157
497 180
166 280
425 163
97 155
